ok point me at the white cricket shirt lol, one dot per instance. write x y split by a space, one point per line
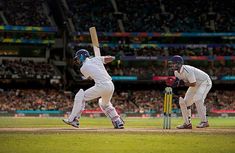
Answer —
94 68
191 74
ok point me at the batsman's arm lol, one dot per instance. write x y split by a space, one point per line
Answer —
86 78
108 59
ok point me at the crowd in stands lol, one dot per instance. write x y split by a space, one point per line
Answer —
93 13
144 69
136 15
224 15
179 16
149 67
141 15
27 69
33 99
155 16
126 101
125 50
148 71
25 13
28 36
221 99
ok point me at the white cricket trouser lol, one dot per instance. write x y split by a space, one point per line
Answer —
104 90
197 95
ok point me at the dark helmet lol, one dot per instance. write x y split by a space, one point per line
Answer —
81 55
176 62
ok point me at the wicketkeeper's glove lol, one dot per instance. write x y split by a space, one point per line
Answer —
174 82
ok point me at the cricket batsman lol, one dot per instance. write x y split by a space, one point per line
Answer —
199 84
93 68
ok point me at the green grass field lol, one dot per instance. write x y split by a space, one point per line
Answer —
71 140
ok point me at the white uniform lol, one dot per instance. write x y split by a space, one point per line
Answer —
104 88
198 93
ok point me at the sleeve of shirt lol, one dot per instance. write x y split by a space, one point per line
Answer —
190 76
102 59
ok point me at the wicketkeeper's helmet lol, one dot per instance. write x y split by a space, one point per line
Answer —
176 62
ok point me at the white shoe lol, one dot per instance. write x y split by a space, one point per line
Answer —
74 123
203 125
118 124
184 126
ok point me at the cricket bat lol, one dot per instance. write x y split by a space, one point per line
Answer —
95 42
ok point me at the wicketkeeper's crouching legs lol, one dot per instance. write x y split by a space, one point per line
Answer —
186 114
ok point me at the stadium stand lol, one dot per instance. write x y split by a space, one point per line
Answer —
25 13
32 99
138 101
155 16
25 69
93 13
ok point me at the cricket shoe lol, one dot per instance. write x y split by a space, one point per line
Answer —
185 126
118 124
203 125
74 123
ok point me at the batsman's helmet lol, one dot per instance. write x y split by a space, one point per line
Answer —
175 62
81 55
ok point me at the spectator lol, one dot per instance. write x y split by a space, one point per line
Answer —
25 13
130 101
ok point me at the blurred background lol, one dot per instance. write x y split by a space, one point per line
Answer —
38 40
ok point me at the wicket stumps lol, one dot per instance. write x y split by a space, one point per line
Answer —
167 108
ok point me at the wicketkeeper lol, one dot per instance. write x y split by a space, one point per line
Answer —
199 84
